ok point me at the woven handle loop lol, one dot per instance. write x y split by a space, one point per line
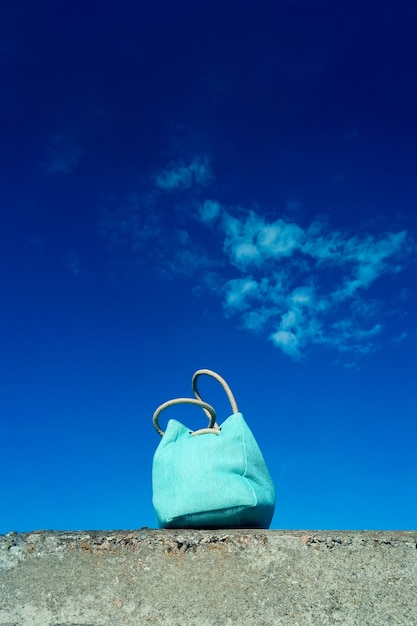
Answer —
207 408
223 384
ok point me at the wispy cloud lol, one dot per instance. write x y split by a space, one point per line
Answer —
63 154
181 175
209 211
130 223
297 285
398 339
73 262
250 241
136 234
305 286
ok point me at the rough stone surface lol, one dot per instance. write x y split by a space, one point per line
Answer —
208 578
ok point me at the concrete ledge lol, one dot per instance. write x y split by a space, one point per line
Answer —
206 578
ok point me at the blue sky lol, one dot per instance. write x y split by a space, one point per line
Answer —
216 184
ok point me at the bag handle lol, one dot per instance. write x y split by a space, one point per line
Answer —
223 384
207 408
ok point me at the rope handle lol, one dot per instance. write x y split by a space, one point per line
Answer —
213 427
223 384
207 408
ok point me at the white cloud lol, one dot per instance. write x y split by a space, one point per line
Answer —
303 296
299 285
256 320
323 245
239 241
302 282
209 211
370 259
239 292
183 237
352 365
181 175
249 240
289 320
188 261
347 336
279 239
287 341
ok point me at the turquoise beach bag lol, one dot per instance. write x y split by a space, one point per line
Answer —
215 477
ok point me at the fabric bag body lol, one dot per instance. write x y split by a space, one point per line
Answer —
211 480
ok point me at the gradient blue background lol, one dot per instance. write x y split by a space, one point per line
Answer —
224 184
